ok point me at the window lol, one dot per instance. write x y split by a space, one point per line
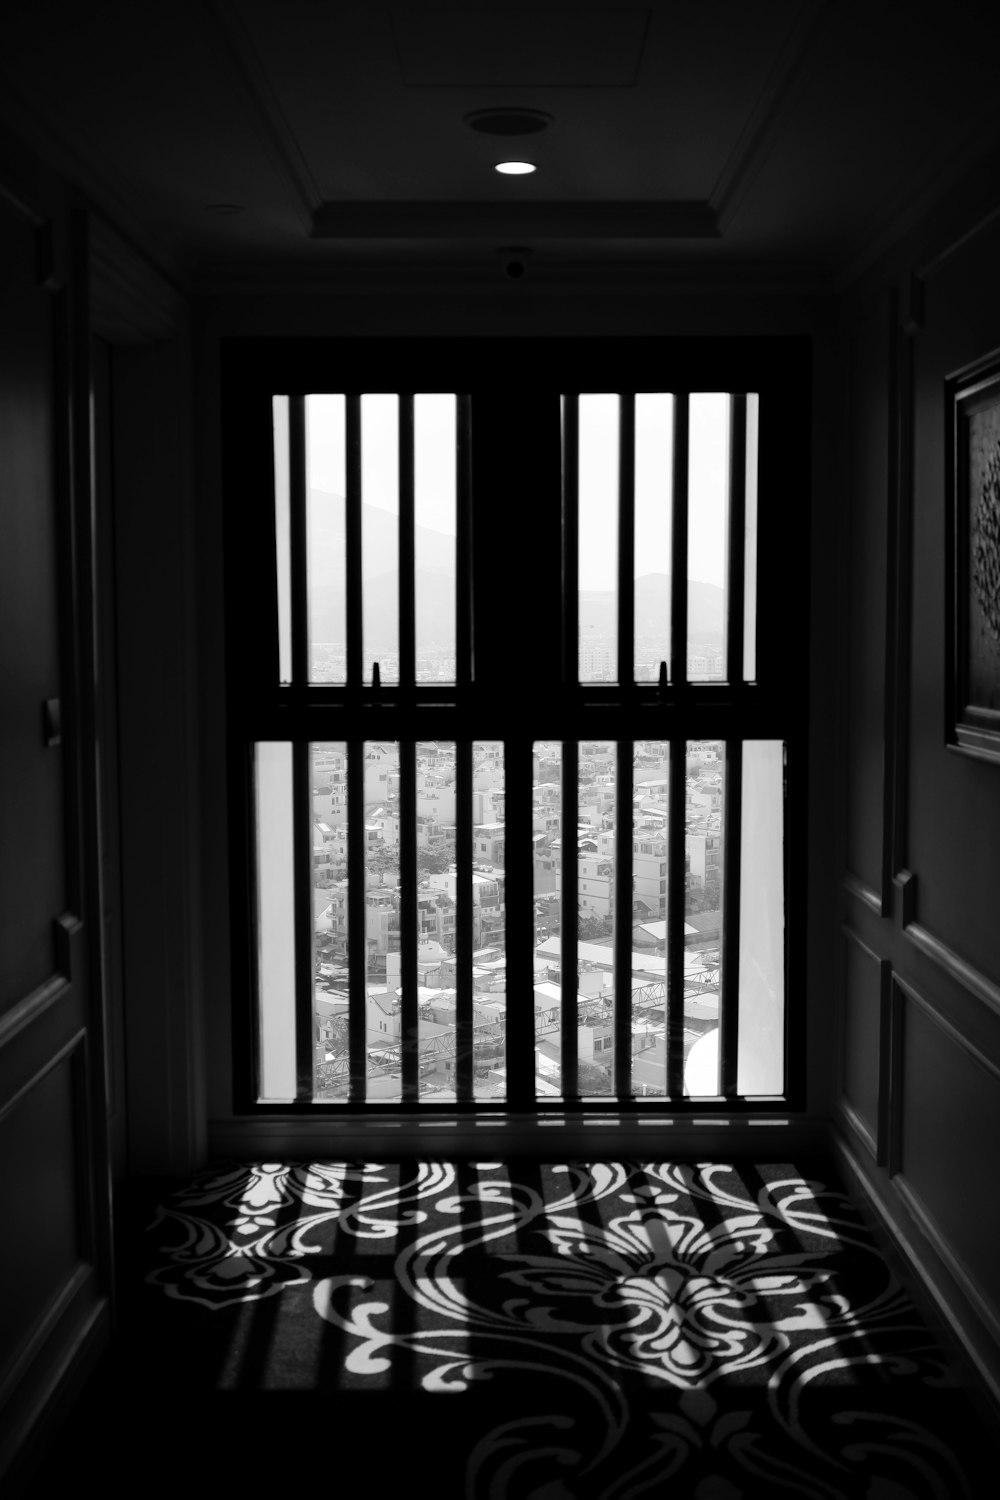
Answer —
477 731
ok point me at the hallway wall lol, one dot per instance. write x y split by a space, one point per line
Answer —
920 948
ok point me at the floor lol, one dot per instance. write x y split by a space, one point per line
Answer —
516 1331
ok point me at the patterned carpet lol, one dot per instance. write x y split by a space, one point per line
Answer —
533 1332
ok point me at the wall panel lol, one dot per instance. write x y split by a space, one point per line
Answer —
41 1245
954 801
950 1106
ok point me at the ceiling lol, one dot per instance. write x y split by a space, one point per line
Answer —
304 135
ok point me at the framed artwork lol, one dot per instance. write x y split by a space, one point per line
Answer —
973 656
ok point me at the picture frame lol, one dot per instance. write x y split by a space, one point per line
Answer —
973 560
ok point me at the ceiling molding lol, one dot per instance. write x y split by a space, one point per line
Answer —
74 160
237 55
130 301
546 278
515 223
767 119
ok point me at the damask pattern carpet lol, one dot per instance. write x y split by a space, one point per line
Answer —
501 1331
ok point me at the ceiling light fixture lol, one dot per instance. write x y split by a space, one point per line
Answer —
514 168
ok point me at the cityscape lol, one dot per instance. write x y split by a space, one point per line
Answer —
574 872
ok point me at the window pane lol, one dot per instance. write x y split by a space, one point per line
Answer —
380 535
654 442
703 913
325 518
435 433
708 520
760 1067
282 536
598 538
329 833
275 923
650 940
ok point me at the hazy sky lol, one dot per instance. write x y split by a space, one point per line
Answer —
434 424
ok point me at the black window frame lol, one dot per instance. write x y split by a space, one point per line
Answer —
512 384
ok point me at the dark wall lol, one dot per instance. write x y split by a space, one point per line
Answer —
920 858
54 1247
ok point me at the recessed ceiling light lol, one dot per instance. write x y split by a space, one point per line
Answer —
514 168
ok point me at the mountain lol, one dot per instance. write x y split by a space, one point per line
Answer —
706 609
435 612
435 552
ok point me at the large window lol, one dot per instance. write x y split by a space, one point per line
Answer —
517 715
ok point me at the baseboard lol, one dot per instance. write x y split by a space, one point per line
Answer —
47 1394
437 1137
950 1310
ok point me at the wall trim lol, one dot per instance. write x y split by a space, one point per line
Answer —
965 974
268 1139
131 301
987 1314
78 1039
958 1317
863 892
952 1032
850 1117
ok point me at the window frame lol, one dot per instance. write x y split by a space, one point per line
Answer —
506 377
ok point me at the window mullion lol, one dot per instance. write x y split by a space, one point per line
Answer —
464 1042
409 1011
679 545
357 947
298 539
626 540
675 918
622 956
568 916
736 548
570 543
305 1026
464 640
729 1015
352 539
406 576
